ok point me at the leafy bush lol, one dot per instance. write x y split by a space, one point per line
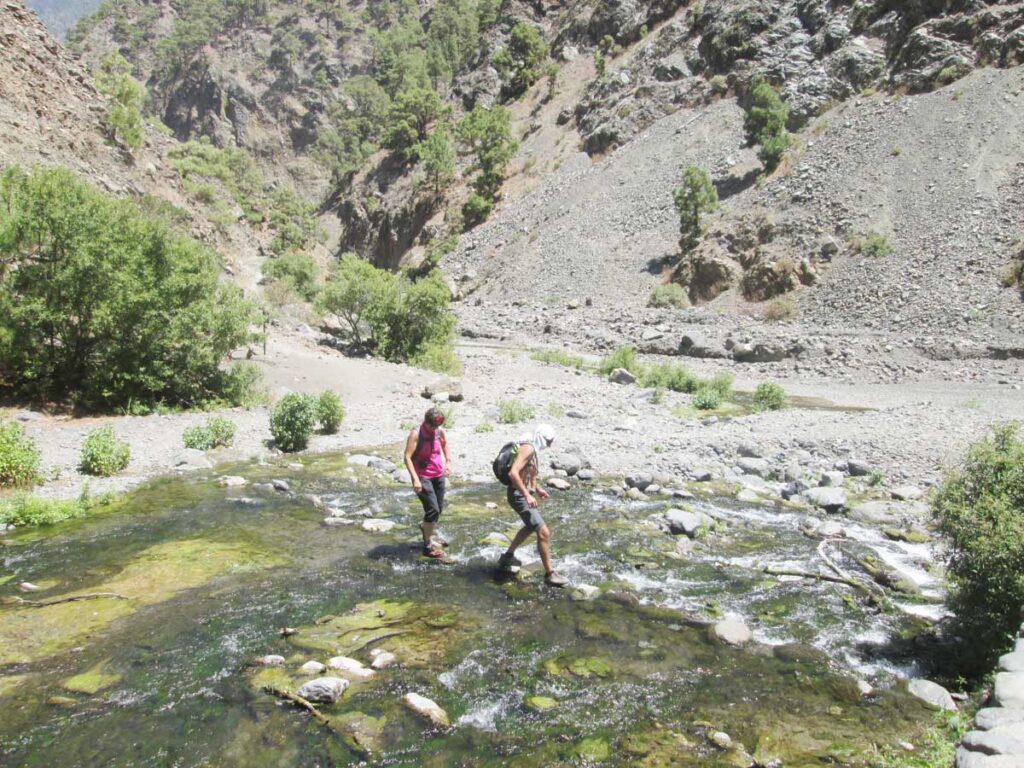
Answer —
707 399
873 244
217 432
668 376
241 385
19 458
695 197
623 357
139 311
669 295
769 397
476 210
296 270
292 422
720 383
329 412
26 509
103 454
780 309
514 412
484 426
558 357
980 510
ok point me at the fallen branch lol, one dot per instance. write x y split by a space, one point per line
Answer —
73 598
299 702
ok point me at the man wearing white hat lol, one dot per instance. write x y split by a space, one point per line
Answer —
524 496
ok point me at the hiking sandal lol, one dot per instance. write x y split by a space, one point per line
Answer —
555 580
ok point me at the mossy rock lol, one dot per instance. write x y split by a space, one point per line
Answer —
582 667
153 576
91 681
657 747
361 732
541 703
9 682
418 634
592 750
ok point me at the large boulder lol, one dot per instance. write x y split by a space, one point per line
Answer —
829 499
682 521
932 694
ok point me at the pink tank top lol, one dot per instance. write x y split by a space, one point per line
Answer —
428 458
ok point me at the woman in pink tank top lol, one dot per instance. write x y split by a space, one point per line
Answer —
426 458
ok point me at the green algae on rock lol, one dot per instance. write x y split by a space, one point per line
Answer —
417 634
28 634
540 703
91 681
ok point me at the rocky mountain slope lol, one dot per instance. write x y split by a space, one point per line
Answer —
51 115
896 210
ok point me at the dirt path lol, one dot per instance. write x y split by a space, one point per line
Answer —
910 431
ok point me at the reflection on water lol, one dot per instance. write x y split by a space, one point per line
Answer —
528 676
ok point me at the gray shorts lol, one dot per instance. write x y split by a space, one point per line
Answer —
529 515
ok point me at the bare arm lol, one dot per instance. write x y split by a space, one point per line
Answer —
444 449
410 449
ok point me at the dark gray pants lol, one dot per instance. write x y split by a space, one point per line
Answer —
432 498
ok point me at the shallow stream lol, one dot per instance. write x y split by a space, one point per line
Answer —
528 675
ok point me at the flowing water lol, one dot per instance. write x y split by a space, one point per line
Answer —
528 676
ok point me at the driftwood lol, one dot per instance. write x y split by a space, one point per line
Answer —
72 599
299 702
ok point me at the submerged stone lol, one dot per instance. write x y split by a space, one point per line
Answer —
427 708
593 750
62 701
362 732
416 633
323 690
541 703
350 668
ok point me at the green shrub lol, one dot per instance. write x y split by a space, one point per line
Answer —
668 376
769 397
476 210
514 412
217 432
329 412
437 356
669 295
292 422
103 454
979 509
484 426
707 398
765 122
694 198
19 458
140 313
242 386
26 509
720 383
872 244
520 64
558 357
123 119
296 270
623 357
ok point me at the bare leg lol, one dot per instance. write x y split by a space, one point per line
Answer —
521 535
544 548
428 531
